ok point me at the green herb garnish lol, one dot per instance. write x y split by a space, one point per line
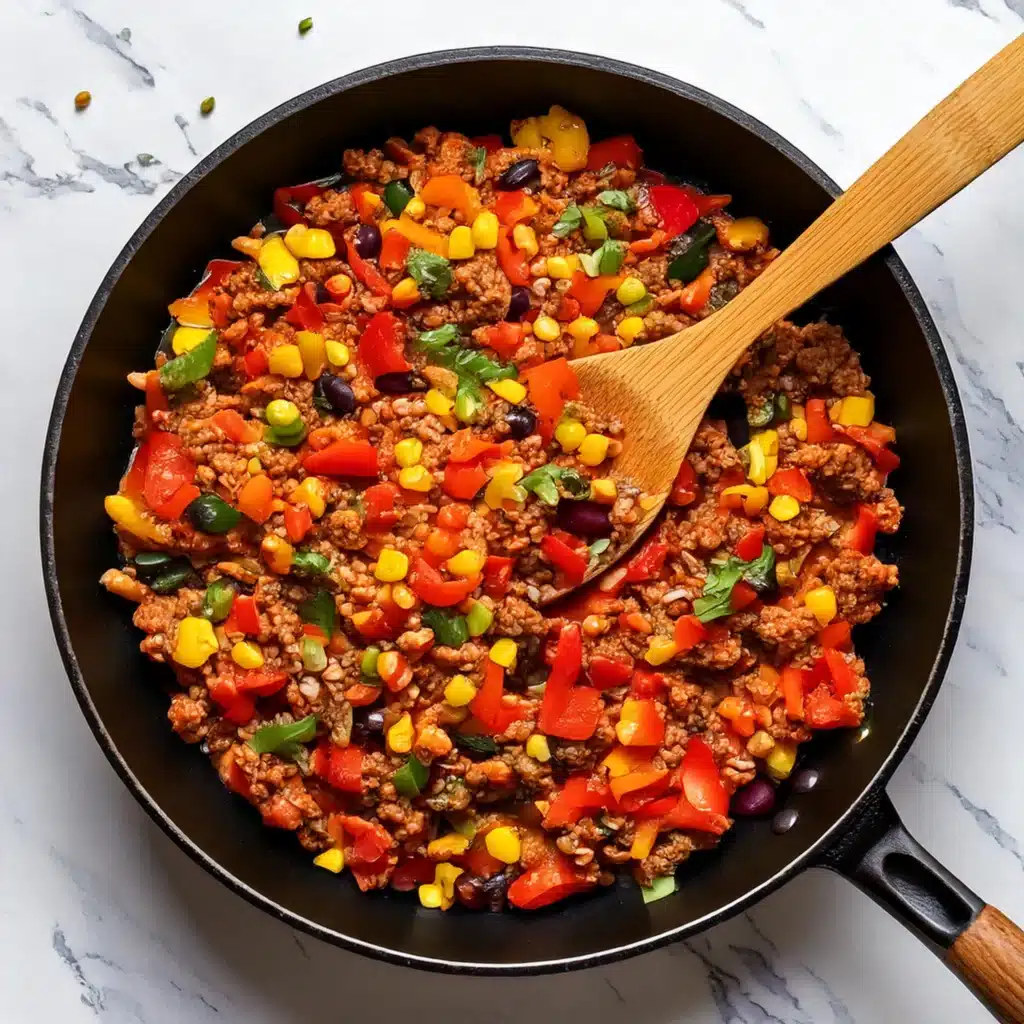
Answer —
319 611
543 482
571 219
410 779
449 630
617 200
310 563
474 369
284 740
597 549
478 158
594 227
476 744
431 272
610 257
716 599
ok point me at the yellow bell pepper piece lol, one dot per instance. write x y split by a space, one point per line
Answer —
277 263
313 352
570 143
854 410
309 243
526 134
185 339
420 236
130 517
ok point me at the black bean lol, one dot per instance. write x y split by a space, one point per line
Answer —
754 800
400 383
469 891
521 173
495 890
522 422
336 393
520 303
784 821
368 241
584 518
804 781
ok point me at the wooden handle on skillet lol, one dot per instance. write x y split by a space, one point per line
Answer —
989 957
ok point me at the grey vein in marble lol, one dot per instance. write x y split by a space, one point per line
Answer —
971 5
96 33
179 120
740 7
91 996
16 165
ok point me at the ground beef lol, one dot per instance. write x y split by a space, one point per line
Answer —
843 471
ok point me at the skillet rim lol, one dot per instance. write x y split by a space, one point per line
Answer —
813 853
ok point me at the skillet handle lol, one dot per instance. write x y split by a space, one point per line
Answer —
978 943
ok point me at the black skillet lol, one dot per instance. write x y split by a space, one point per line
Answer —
846 823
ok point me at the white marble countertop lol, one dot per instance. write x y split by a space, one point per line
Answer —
101 917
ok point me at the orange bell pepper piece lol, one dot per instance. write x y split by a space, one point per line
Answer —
451 191
256 498
590 292
695 295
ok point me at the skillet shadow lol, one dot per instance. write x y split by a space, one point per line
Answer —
298 978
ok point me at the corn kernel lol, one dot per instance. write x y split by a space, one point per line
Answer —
282 413
254 467
286 360
460 243
430 896
537 748
760 744
309 243
277 553
561 268
445 876
400 735
196 642
628 329
631 290
660 650
594 450
415 478
511 390
247 655
466 563
338 286
546 328
746 233
604 490
784 507
485 230
403 597
649 501
583 328
503 844
332 860
570 434
185 339
504 652
438 403
337 353
525 239
279 266
822 602
406 291
408 452
392 566
447 846
781 759
460 691
799 428
415 208
311 494
854 410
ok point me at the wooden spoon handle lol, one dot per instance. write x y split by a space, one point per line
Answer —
973 127
989 956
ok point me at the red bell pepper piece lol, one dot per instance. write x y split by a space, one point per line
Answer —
280 812
370 841
751 544
580 795
156 400
466 447
463 481
362 198
512 207
487 706
658 808
375 626
694 296
297 522
640 725
236 427
823 711
411 873
504 338
792 482
689 632
580 716
885 460
590 292
341 767
685 489
244 616
639 788
195 310
620 150
304 312
675 207
359 695
819 426
394 669
168 468
553 879
794 683
607 673
514 263
262 684
382 346
256 363
379 506
702 783
565 670
837 636
685 815
429 586
367 272
394 250
647 683
743 594
135 479
844 679
861 536
237 707
550 385
497 575
284 198
569 561
707 203
449 190
344 458
492 143
175 507
648 561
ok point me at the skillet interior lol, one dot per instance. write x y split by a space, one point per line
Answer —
683 131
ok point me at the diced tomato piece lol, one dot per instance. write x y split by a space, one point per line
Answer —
379 506
823 711
647 683
580 716
370 841
568 309
463 481
504 338
571 562
256 498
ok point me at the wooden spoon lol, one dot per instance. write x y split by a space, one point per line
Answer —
660 391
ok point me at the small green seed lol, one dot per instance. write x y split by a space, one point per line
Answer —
206 107
305 25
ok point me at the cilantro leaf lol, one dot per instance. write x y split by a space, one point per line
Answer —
617 200
588 261
543 482
610 257
443 346
716 600
431 272
598 548
571 219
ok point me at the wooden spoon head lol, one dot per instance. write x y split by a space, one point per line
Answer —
658 393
